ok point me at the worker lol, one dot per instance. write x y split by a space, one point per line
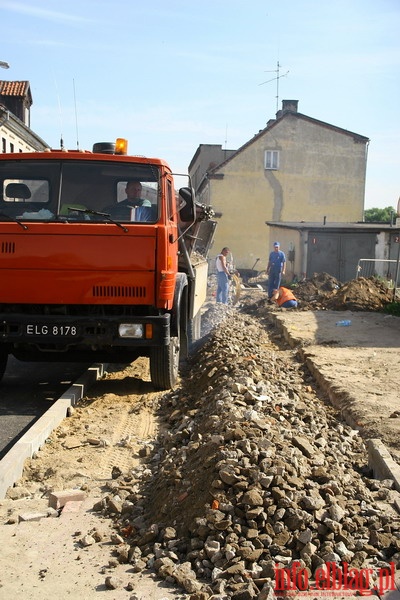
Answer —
284 298
275 269
223 276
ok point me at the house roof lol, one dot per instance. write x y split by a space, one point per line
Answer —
334 226
19 89
361 139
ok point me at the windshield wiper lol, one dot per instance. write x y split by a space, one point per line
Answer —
87 211
2 215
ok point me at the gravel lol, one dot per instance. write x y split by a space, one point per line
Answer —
252 471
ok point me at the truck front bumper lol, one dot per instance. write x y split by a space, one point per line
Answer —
61 332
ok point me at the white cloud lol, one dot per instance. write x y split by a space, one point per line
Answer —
41 13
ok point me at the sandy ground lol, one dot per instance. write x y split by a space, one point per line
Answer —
356 366
44 559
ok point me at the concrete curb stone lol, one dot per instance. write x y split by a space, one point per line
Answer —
12 464
382 463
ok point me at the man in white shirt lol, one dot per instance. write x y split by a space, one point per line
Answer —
223 276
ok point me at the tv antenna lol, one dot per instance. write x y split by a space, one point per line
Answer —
277 78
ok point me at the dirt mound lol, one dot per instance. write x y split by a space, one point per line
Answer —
360 294
316 289
323 291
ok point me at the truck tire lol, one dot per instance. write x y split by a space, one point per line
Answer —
3 363
164 364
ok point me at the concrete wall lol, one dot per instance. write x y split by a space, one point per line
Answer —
382 245
206 158
321 174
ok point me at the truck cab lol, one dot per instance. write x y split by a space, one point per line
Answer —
91 271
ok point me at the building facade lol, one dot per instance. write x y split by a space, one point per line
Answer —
15 132
338 249
206 158
296 169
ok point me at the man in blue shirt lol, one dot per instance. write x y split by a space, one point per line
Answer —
123 210
275 269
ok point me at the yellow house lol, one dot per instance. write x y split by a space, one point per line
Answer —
296 169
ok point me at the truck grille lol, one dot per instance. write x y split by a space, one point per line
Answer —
7 247
119 291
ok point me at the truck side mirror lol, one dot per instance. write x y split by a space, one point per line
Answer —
187 210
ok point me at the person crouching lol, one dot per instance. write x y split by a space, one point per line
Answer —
284 298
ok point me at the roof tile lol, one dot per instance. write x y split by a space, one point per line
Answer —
14 88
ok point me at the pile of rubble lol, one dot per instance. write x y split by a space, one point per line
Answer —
368 294
252 473
313 292
324 291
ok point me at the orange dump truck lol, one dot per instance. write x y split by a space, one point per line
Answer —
91 270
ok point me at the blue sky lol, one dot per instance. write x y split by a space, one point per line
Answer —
172 74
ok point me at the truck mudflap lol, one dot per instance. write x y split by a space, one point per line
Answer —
60 333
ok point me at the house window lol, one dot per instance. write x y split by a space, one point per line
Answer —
11 147
3 145
271 159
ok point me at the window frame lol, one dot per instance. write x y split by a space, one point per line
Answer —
273 163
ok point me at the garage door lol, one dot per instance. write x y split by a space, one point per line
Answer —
338 253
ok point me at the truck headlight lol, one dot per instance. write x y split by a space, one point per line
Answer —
131 330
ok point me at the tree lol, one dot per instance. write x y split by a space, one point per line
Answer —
379 215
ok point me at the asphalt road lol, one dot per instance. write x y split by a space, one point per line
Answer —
27 390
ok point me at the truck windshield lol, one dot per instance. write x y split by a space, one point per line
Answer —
90 191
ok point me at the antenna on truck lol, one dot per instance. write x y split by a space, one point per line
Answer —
76 118
60 111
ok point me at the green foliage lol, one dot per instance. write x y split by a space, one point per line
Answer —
379 215
393 309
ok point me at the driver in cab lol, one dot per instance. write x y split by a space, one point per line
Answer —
134 207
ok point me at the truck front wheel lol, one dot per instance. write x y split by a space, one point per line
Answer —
3 363
164 364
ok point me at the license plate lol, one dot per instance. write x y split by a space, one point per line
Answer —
52 330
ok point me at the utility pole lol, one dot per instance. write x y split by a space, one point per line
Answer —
277 78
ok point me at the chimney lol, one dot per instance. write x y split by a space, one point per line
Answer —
287 106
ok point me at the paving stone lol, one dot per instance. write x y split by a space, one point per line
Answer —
59 499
